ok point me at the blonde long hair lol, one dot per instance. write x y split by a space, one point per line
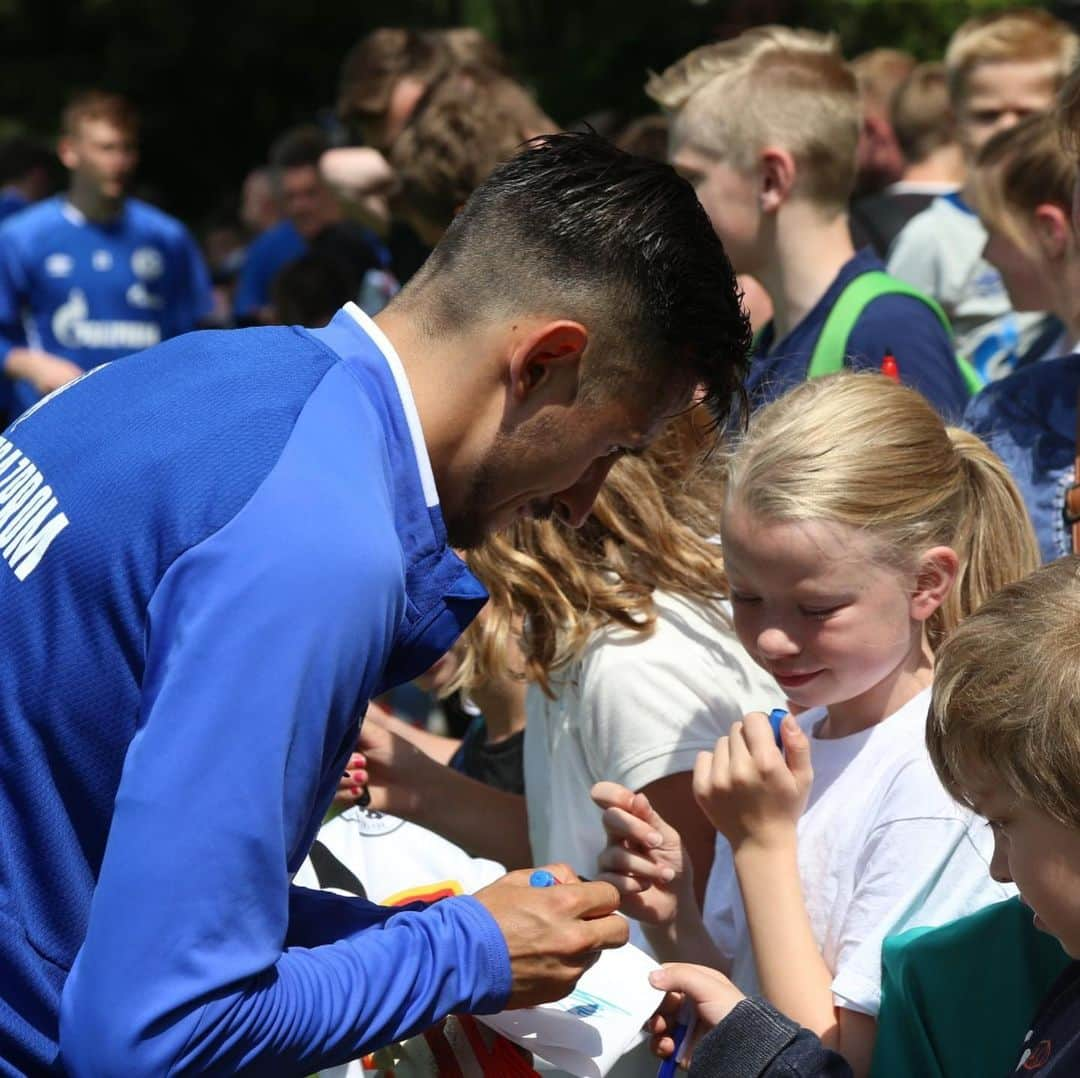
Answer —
861 450
653 526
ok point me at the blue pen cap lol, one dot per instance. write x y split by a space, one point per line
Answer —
542 878
776 717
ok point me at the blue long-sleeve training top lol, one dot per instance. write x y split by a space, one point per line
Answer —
212 554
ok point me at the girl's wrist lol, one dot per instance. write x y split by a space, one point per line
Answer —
776 845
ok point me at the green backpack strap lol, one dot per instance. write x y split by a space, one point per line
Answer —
831 347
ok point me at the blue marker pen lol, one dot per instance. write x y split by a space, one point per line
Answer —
776 717
542 878
683 1024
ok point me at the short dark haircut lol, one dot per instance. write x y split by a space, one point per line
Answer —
308 290
575 227
299 147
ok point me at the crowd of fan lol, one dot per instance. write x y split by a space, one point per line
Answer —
862 553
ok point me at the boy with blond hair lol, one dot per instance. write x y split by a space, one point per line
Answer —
766 128
922 121
1000 68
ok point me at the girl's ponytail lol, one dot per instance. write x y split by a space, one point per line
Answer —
993 535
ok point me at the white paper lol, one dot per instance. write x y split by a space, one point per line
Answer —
586 1032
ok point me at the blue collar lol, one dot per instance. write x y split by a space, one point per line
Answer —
442 595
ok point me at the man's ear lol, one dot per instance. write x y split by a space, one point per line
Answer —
65 150
545 362
1052 229
934 577
777 177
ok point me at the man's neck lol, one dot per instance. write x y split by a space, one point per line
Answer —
93 205
457 408
809 252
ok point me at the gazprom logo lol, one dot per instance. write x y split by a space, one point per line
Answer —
73 328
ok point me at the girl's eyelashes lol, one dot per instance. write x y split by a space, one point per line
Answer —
821 611
743 597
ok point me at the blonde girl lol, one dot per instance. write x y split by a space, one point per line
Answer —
857 531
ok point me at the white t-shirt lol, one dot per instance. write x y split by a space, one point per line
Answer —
395 862
632 709
882 848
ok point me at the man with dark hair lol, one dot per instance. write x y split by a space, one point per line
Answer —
222 548
93 274
314 221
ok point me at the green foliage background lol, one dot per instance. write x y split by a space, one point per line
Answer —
217 79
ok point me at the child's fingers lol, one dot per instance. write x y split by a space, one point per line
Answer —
741 766
621 826
629 862
612 795
797 752
760 740
625 885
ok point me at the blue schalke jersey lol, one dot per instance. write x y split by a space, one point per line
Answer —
93 291
212 554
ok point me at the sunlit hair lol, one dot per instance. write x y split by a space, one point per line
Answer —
1025 36
99 105
861 450
1020 169
1067 111
650 529
1006 703
774 86
472 119
921 114
879 73
381 57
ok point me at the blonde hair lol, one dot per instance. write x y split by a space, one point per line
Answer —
1023 36
879 73
861 450
1007 695
774 85
921 114
651 528
1019 169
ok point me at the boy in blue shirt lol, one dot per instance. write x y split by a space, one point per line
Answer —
767 134
92 275
215 552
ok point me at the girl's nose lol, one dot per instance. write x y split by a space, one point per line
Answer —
775 643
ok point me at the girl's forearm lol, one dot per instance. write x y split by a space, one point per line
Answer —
791 971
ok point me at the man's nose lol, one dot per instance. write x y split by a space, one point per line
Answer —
574 503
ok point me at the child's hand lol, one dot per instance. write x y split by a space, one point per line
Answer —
391 767
712 994
748 789
644 857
